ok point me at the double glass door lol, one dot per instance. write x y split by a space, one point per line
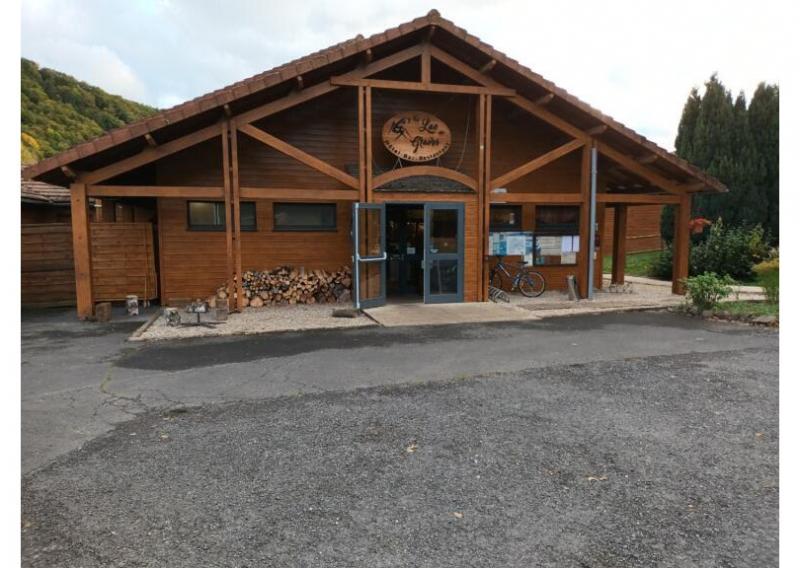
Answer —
443 253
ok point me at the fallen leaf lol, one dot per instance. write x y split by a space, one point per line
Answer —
759 434
593 478
458 515
411 448
165 436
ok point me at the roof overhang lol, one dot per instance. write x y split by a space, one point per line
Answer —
622 143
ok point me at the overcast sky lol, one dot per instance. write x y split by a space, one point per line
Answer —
634 60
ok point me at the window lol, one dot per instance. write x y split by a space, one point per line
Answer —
304 216
210 215
557 235
505 218
557 219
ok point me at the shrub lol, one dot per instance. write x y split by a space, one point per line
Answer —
769 278
707 290
662 265
730 251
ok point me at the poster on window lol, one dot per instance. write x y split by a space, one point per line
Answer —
555 250
511 243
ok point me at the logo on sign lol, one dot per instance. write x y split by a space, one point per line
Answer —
416 136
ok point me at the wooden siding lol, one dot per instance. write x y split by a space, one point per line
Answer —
643 232
267 248
193 263
123 261
48 270
122 254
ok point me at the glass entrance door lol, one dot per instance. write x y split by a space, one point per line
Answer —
444 252
369 255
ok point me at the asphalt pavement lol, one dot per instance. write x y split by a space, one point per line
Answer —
639 439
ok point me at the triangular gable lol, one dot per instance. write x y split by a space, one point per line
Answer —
477 59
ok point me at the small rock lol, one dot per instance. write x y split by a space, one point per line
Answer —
257 302
707 313
765 320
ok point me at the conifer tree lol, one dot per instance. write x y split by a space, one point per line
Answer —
738 145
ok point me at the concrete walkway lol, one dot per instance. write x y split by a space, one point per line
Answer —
743 292
395 315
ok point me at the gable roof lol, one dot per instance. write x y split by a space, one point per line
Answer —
206 109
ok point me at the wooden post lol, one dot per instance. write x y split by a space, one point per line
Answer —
226 182
82 250
362 159
618 254
480 182
585 255
680 244
425 64
368 141
237 232
487 177
601 223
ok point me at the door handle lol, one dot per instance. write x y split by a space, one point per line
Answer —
374 259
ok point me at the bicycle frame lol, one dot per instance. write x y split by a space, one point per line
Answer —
501 266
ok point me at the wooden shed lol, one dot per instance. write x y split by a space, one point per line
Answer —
407 155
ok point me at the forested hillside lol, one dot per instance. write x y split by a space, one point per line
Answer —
59 111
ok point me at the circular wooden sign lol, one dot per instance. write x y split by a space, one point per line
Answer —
416 136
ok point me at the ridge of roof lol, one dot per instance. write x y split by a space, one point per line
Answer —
332 54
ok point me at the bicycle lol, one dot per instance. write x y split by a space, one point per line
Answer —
529 282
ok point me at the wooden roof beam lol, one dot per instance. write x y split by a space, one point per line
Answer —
299 155
518 100
150 154
640 170
599 129
488 66
422 86
647 158
323 88
536 163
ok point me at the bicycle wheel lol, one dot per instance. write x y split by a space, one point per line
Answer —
531 284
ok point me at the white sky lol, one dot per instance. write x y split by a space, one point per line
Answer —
634 60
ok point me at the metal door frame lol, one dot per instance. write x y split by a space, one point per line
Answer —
429 257
357 259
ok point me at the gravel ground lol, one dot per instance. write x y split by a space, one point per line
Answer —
655 461
259 320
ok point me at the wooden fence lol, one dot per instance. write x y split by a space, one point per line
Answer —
123 262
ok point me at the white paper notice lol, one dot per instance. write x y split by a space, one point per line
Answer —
515 245
566 245
576 243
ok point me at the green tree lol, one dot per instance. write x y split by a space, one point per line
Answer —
736 144
59 111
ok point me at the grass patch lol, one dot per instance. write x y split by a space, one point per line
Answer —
744 308
636 263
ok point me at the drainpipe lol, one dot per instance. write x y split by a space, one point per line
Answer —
592 222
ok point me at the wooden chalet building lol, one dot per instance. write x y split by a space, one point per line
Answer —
430 139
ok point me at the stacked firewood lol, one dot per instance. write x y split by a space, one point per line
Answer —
288 285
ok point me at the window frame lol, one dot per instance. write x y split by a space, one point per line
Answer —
305 228
502 228
222 227
559 231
